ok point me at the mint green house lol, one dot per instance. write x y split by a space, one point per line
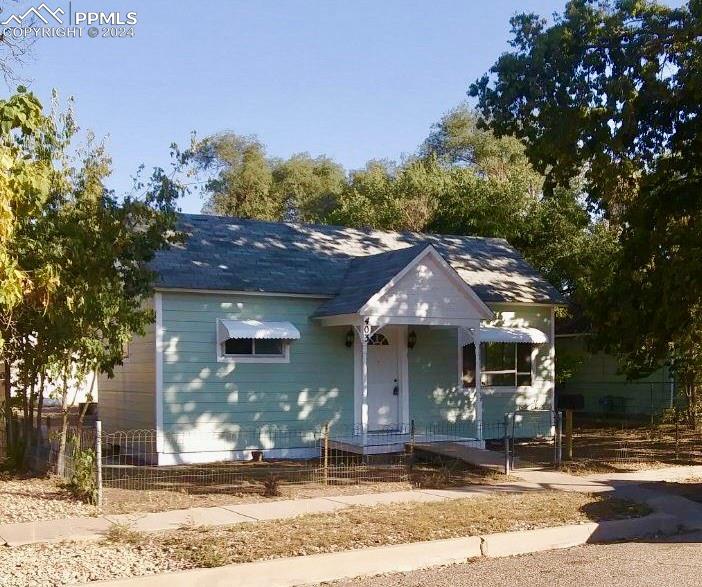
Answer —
266 327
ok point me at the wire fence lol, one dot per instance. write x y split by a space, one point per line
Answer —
626 402
115 466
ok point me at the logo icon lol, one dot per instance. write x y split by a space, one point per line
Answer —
38 12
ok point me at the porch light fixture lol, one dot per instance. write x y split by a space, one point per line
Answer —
349 338
411 339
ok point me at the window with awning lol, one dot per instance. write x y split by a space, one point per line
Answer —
251 340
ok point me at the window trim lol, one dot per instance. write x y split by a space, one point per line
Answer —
222 357
515 371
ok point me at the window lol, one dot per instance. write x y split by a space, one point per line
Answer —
378 340
253 349
502 364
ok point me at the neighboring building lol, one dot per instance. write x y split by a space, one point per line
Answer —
276 326
597 388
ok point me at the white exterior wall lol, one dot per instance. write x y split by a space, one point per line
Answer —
127 401
426 290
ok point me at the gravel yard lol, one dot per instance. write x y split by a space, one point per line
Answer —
28 499
126 553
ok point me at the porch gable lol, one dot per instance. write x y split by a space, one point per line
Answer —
411 286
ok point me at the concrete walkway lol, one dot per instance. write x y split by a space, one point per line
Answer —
95 528
530 480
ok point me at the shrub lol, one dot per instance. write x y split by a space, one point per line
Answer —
83 482
271 487
123 534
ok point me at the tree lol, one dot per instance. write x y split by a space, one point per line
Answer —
613 88
389 196
78 254
245 182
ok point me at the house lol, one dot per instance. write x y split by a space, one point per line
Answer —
596 387
264 327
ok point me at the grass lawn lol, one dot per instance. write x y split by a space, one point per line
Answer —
390 524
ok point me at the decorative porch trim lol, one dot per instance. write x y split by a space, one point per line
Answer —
485 312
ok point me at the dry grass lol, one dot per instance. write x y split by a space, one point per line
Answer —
442 474
607 449
394 524
124 534
130 554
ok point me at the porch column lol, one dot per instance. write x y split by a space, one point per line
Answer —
364 380
364 386
478 395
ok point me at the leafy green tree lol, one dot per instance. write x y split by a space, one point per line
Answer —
241 177
80 256
308 187
613 88
389 196
243 181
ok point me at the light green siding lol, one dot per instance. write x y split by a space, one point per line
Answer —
316 387
433 378
200 393
605 390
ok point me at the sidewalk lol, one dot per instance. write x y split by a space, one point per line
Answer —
530 480
95 528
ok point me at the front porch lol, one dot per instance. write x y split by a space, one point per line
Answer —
377 443
386 299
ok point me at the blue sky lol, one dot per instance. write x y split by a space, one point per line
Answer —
354 80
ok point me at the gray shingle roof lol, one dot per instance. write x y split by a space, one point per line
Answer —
365 276
225 253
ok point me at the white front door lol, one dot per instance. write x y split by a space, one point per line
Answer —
384 380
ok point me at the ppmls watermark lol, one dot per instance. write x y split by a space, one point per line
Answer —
44 21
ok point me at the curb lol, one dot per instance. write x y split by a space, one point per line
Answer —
530 541
319 568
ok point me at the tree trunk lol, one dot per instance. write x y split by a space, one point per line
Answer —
61 458
28 428
88 399
691 401
10 437
40 410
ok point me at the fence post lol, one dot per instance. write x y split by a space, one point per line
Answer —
98 460
411 446
569 434
559 432
507 459
326 453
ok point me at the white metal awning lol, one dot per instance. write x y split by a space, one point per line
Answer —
509 334
227 329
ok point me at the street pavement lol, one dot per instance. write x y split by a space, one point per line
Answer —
674 561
